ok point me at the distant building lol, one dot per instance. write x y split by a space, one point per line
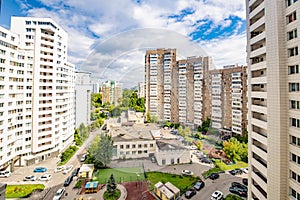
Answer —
170 152
141 90
111 92
86 171
225 101
83 91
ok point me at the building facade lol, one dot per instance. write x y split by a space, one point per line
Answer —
141 90
159 79
83 92
273 60
37 90
225 101
111 92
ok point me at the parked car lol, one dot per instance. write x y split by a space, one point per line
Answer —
59 193
206 160
217 195
187 172
236 171
214 176
193 147
30 178
190 193
68 181
153 160
59 169
199 185
238 191
75 172
239 185
45 177
68 168
245 170
40 169
83 158
245 181
5 174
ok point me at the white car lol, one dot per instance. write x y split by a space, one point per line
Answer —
59 169
68 169
193 147
59 193
30 178
217 195
45 177
187 172
245 170
5 174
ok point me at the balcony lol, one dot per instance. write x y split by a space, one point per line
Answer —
258 52
258 66
259 108
259 123
255 94
256 10
258 193
259 166
258 23
259 180
257 38
260 137
259 151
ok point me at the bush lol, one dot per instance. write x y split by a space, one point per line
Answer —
78 184
67 154
232 197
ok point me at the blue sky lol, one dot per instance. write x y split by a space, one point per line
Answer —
216 26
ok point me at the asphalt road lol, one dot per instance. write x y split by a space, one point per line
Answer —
58 179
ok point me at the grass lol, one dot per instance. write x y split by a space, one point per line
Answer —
120 174
115 196
69 152
181 182
21 191
78 184
220 166
232 197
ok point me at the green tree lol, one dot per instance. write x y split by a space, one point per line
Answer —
167 124
235 150
96 100
111 185
101 148
199 145
83 132
205 125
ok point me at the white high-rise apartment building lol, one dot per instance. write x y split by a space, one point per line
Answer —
216 100
37 116
83 91
274 110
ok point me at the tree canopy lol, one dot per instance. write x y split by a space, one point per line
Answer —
101 148
235 150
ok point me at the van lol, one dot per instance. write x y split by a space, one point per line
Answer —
4 174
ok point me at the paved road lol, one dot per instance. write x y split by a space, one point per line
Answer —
60 178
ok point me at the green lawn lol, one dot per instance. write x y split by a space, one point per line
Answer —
232 197
20 191
220 166
120 174
181 182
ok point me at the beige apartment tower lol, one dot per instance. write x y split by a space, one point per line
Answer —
274 98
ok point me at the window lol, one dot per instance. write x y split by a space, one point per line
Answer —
121 146
151 145
293 139
163 161
291 17
294 87
292 34
294 69
133 146
140 146
293 51
293 157
127 146
295 122
294 104
145 145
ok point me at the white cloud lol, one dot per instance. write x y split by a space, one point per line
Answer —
85 19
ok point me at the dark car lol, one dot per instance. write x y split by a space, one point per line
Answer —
206 160
68 181
238 191
214 176
245 181
239 185
190 193
236 171
75 172
199 185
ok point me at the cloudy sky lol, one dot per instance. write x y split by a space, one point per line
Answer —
109 38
